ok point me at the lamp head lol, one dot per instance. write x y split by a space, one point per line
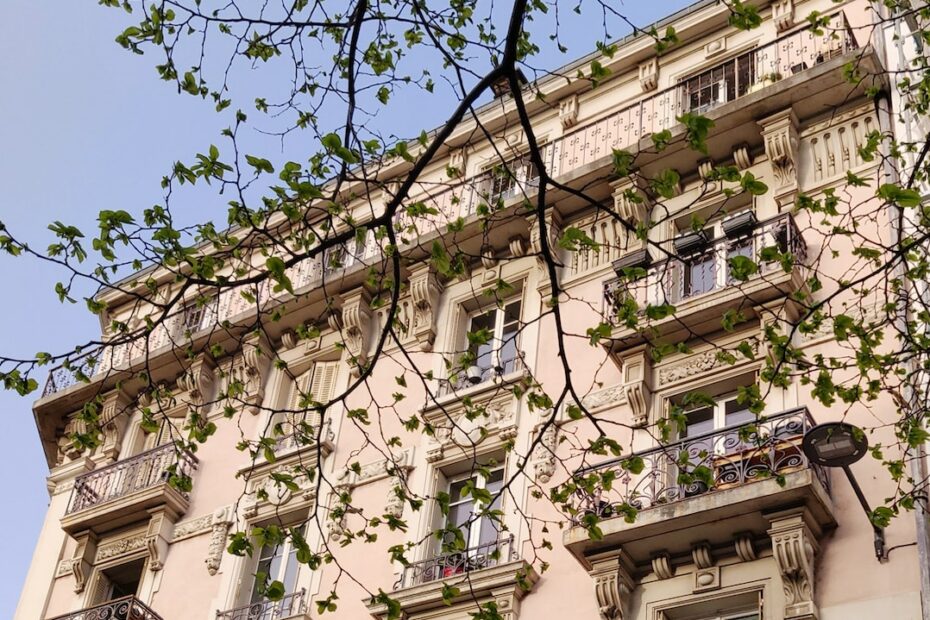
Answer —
834 444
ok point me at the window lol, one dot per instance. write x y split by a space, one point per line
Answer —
506 180
745 606
275 563
118 581
463 507
705 266
317 385
492 342
721 84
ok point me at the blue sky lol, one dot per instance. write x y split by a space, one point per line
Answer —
85 126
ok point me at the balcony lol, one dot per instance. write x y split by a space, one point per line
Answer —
705 487
126 608
125 491
699 282
459 563
490 571
291 607
803 59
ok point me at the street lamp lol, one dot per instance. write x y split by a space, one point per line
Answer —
839 444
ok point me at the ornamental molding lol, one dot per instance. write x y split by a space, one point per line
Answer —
64 569
649 74
489 421
425 290
121 546
391 466
265 496
700 363
356 328
613 585
568 111
198 380
780 136
604 398
794 548
192 527
544 460
783 15
220 522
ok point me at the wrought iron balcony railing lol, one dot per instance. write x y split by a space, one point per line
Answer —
124 477
723 83
290 605
126 608
451 565
707 268
706 463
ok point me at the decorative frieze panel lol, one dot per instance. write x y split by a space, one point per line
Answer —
831 149
357 476
121 546
192 527
266 496
463 427
700 363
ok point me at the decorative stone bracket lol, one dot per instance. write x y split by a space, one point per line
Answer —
356 328
158 537
613 585
649 74
198 380
636 366
425 290
256 359
544 454
553 228
780 135
568 111
783 14
82 560
113 420
794 548
631 205
220 523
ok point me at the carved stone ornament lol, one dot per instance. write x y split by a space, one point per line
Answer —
715 47
120 546
780 135
425 290
265 495
458 162
794 549
742 157
250 369
649 74
157 538
662 566
568 111
517 246
221 521
613 586
83 558
630 204
637 384
356 328
198 380
289 339
702 555
745 548
697 364
604 398
544 454
553 228
192 527
394 505
783 14
113 420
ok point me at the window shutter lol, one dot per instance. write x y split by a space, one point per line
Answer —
323 383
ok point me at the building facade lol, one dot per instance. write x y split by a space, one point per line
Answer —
750 528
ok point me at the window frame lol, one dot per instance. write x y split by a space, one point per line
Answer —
481 482
497 367
248 594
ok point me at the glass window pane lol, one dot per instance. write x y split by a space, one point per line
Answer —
455 490
700 421
736 413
